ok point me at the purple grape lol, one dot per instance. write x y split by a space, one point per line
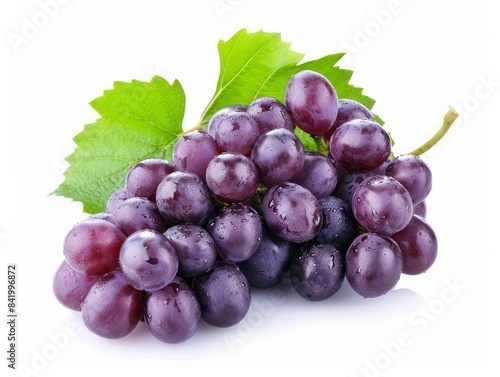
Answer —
360 145
420 209
373 265
292 212
348 110
382 205
112 308
313 102
109 217
184 198
278 155
173 313
148 260
195 248
237 132
193 151
92 247
271 114
224 295
318 174
413 173
117 198
216 118
267 265
144 177
339 225
138 213
418 244
317 271
348 186
232 177
71 287
237 231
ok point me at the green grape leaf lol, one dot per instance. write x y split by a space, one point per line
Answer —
261 64
247 62
138 120
144 119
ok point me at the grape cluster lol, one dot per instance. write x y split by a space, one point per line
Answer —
244 204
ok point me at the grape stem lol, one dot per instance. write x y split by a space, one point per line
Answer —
321 146
450 117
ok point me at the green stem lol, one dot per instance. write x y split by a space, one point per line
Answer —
448 120
321 146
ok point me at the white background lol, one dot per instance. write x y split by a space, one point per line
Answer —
415 58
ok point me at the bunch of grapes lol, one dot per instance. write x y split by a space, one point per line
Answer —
243 205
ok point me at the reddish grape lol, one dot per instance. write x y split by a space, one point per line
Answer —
112 308
173 313
360 145
144 177
373 265
193 151
382 205
313 102
271 114
413 173
418 244
92 246
71 287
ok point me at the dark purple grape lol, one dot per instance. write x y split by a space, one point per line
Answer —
224 295
173 313
292 212
148 260
237 231
360 145
92 247
237 132
373 265
313 102
348 186
216 118
278 155
144 177
420 209
413 173
382 205
112 308
348 110
318 175
71 287
184 198
271 114
418 244
232 177
317 271
138 213
267 265
339 225
117 198
195 248
193 151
